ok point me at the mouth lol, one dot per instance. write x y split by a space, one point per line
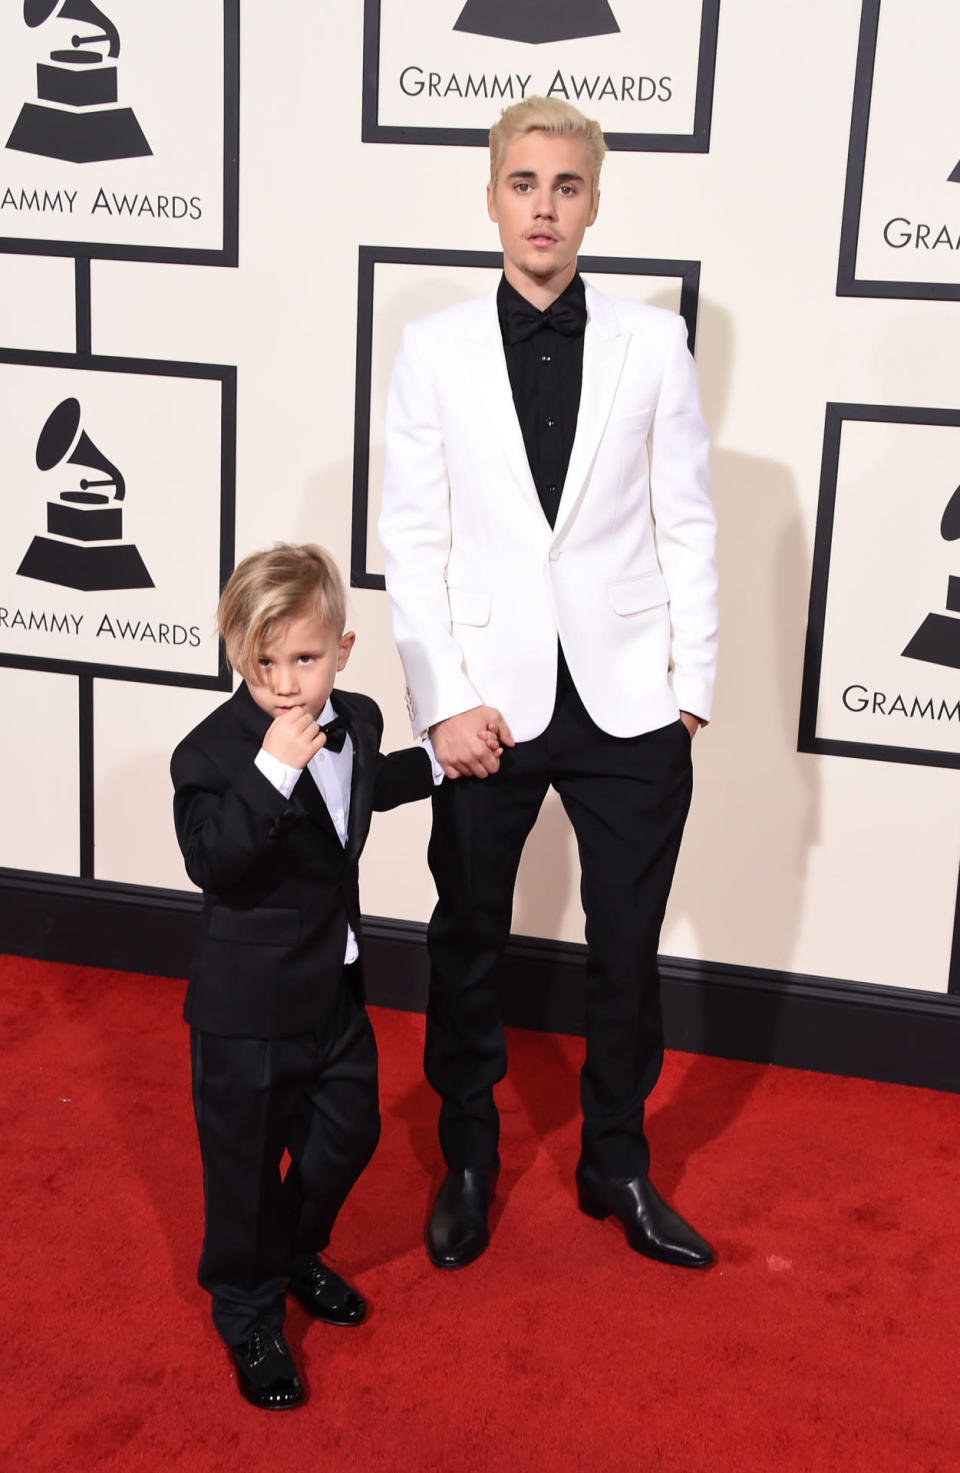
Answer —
541 238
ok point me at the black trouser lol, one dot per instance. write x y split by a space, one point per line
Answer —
313 1095
627 799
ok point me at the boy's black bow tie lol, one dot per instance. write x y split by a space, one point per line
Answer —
521 318
335 733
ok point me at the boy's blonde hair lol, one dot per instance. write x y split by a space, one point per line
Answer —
546 115
267 589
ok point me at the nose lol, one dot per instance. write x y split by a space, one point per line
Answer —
545 206
284 680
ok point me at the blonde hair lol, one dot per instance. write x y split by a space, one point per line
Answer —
546 115
268 589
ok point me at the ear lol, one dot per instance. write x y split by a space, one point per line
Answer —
596 206
346 645
491 206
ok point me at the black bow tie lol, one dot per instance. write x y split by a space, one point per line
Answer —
567 315
335 733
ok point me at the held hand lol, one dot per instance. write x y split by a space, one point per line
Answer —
488 734
462 743
294 737
692 723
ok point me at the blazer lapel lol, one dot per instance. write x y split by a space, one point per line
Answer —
306 792
604 350
364 740
488 365
254 721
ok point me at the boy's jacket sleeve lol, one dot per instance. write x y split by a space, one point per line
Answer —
223 827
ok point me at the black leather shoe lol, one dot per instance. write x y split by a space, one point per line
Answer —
266 1374
651 1226
325 1295
457 1232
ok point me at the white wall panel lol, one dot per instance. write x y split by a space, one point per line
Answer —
797 861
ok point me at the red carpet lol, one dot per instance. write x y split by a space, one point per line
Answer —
825 1339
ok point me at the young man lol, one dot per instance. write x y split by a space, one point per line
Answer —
549 547
273 796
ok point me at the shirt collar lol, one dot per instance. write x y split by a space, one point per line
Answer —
511 304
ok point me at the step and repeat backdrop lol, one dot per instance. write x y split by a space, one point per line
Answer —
215 220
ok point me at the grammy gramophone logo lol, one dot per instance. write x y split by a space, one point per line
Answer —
76 116
938 638
537 21
84 547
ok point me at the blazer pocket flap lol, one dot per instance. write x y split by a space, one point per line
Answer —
468 605
634 595
265 926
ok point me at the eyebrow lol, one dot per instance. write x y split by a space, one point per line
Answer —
266 653
557 178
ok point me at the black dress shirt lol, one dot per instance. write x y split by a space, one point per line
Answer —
546 370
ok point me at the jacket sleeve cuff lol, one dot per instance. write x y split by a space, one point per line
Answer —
280 774
693 695
438 772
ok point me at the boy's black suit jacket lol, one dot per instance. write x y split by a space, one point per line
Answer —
279 888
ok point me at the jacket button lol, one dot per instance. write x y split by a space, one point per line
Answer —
554 554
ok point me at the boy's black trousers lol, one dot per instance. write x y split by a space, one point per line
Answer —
627 799
311 1094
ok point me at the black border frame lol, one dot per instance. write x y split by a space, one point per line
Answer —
226 375
369 258
848 283
807 740
227 255
373 131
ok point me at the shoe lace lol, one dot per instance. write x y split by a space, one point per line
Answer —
263 1340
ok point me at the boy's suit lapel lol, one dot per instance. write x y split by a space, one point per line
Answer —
307 792
254 721
364 737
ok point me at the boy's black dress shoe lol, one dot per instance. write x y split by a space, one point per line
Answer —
266 1374
324 1294
651 1226
457 1232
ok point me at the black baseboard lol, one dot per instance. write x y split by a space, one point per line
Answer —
896 1035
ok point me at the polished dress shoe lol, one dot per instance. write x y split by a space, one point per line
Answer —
324 1294
457 1232
651 1226
266 1374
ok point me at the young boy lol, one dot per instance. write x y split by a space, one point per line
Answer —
273 797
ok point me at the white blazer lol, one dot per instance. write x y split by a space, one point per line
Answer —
481 585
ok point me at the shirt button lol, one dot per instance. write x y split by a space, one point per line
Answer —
552 489
546 358
550 421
